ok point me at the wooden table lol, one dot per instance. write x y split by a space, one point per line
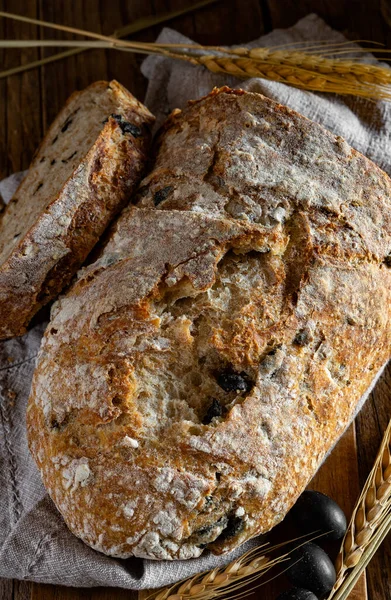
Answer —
29 102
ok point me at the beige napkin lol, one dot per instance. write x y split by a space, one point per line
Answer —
34 542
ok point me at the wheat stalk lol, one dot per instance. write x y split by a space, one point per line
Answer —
357 72
135 27
219 582
369 524
372 85
302 68
294 68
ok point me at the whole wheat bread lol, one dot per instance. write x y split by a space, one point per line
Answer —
82 174
194 377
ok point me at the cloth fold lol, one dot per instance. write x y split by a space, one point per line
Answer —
35 544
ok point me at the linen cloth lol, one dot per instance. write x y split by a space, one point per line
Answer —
35 544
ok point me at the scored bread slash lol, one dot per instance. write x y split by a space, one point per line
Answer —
83 173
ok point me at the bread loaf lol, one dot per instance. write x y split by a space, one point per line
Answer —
84 171
194 377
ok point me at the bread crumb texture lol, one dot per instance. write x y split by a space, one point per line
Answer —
193 378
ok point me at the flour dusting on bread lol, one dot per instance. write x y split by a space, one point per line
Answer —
196 374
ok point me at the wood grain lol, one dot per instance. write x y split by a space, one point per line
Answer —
332 480
6 589
29 102
57 592
20 125
21 590
15 590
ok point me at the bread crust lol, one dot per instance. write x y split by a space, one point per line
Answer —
253 271
55 246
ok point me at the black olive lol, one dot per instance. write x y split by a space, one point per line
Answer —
230 381
311 569
301 338
234 526
161 195
130 128
214 410
297 594
127 127
65 160
66 125
316 512
387 261
208 529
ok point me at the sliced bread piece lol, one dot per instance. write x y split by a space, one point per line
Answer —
82 174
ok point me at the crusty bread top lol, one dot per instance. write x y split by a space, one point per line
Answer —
193 378
265 164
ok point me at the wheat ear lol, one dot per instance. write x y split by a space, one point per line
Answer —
370 522
246 569
291 75
351 70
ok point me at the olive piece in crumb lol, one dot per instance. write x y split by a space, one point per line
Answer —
297 594
302 338
214 410
162 195
127 127
234 526
230 381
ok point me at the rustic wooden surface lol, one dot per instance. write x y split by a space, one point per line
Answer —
30 101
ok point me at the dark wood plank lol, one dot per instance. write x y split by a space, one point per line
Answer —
3 104
229 23
21 127
15 590
22 590
124 66
57 592
61 78
6 589
331 480
356 18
